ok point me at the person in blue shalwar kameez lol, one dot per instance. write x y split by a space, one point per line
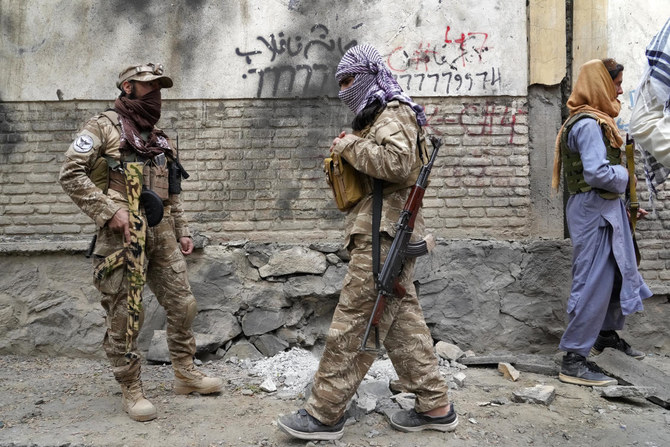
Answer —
606 285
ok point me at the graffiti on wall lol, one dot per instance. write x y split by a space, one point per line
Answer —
303 64
284 65
455 65
477 119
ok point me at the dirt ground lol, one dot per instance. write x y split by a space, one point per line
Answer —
76 402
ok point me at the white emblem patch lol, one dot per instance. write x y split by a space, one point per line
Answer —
83 144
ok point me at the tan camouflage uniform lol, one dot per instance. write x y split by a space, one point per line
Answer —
387 151
165 267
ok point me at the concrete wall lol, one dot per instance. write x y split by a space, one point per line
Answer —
256 48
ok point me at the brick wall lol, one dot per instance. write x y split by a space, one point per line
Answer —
256 171
256 168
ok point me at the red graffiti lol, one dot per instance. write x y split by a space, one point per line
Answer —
462 40
478 120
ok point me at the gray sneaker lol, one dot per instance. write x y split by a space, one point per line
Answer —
577 370
303 425
410 420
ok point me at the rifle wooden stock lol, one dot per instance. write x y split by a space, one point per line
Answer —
387 282
633 204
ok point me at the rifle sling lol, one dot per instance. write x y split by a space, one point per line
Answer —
377 198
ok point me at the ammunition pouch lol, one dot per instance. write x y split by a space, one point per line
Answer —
175 173
153 207
155 178
348 185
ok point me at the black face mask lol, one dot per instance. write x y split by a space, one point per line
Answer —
144 111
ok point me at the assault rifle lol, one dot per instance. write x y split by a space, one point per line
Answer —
131 257
387 281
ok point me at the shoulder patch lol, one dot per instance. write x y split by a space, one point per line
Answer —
83 144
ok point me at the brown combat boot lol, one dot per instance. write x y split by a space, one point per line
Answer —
187 379
135 404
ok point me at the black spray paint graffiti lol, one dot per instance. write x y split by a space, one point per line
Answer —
294 73
449 82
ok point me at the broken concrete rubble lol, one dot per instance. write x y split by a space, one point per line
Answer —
508 371
629 371
539 394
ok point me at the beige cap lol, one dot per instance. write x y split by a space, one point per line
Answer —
145 73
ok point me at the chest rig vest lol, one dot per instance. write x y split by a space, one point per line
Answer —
573 169
162 174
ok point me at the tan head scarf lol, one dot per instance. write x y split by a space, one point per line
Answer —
594 93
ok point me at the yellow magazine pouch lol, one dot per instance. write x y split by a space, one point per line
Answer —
347 184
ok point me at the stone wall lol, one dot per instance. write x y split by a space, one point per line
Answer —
482 295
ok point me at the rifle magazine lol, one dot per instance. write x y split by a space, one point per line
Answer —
416 249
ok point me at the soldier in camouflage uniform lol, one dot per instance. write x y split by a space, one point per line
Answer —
383 145
94 177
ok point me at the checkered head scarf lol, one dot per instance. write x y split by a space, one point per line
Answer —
658 55
372 81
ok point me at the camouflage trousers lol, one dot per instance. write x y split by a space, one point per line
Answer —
167 278
402 330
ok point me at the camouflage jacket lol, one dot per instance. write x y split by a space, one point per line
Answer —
100 137
388 151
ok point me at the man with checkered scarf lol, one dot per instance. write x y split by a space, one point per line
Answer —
384 145
650 118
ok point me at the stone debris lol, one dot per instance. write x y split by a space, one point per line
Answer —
268 386
455 364
270 345
361 406
333 259
242 350
293 369
500 401
537 364
459 378
637 373
448 351
539 394
325 247
375 387
488 360
508 371
405 400
533 363
625 391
